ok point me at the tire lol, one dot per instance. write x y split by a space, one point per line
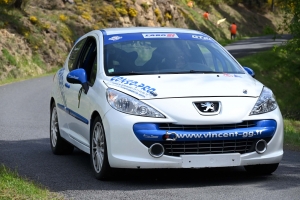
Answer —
266 169
98 151
58 145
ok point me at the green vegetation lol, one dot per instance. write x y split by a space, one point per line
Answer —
292 134
12 186
13 79
279 70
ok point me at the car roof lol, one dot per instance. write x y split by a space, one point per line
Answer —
112 31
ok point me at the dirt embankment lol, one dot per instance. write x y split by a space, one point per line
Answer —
37 40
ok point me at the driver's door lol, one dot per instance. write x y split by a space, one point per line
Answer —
78 102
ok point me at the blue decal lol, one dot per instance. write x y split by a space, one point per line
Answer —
133 86
151 132
73 114
61 85
237 76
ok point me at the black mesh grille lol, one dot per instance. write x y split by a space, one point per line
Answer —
168 126
208 147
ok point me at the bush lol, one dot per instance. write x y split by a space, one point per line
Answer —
168 16
122 11
157 12
132 12
86 16
63 18
33 19
109 13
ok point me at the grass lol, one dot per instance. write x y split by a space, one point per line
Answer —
12 80
279 70
12 186
292 134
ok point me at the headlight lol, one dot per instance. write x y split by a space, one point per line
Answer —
265 103
127 104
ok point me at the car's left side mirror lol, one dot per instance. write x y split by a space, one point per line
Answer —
78 76
250 71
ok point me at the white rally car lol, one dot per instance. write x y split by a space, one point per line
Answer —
162 98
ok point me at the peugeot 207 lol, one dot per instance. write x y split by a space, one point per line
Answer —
162 98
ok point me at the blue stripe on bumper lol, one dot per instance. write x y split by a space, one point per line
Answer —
151 132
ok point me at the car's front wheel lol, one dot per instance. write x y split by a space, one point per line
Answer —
265 169
98 151
58 144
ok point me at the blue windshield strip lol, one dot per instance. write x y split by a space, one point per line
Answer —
109 39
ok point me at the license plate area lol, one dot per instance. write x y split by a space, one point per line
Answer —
211 160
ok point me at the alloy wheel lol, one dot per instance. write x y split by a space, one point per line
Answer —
54 127
98 147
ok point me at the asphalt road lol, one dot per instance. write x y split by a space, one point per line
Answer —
255 44
24 146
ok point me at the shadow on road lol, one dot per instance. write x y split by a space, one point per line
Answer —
34 159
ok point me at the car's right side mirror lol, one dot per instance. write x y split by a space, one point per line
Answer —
250 71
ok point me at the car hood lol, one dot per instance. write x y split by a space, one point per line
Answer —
186 85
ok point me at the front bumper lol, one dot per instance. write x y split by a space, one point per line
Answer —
126 150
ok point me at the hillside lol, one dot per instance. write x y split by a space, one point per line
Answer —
37 40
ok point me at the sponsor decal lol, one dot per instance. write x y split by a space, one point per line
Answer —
231 75
133 86
201 37
111 70
74 77
150 136
237 76
227 75
115 38
61 86
247 134
160 35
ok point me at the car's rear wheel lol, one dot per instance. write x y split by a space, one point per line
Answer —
265 169
98 151
58 144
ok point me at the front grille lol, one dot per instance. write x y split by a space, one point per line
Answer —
169 126
176 148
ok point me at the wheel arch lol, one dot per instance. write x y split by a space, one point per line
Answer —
93 116
51 102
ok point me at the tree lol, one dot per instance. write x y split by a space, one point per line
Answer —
292 7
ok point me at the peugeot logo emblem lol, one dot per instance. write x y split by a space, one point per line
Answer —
208 107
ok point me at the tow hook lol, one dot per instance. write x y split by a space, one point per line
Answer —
170 136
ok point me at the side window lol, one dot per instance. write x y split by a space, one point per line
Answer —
88 59
93 72
74 55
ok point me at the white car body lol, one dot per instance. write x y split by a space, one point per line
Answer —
172 95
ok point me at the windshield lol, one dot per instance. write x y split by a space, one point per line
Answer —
129 54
